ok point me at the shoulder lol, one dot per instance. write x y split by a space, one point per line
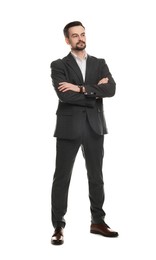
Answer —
56 63
95 59
59 62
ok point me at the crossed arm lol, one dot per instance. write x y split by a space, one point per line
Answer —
72 94
65 86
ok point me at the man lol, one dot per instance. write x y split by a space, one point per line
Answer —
81 82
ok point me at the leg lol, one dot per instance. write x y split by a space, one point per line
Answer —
66 153
93 152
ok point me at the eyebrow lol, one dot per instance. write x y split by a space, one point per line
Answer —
74 34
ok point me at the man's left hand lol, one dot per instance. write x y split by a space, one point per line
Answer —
103 81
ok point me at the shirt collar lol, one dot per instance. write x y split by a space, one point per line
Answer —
76 57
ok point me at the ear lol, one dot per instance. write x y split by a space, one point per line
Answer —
67 40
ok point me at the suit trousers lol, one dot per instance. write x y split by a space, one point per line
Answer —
66 151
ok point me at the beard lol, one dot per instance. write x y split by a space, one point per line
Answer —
80 46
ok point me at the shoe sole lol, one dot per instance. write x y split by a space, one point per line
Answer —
99 233
57 243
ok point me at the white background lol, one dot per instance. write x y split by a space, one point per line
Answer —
31 35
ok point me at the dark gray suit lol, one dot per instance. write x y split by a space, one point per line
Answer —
80 122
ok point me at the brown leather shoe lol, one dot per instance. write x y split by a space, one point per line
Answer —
57 237
103 229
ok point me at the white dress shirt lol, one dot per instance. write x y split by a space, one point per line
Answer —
81 63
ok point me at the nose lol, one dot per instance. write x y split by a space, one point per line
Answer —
80 38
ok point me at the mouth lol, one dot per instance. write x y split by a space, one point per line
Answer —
81 43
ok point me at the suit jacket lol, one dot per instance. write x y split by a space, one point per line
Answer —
72 104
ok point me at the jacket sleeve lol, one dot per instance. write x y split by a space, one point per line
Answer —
59 74
103 90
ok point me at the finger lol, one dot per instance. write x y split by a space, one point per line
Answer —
61 88
65 90
105 81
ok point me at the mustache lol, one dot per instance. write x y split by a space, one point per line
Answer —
81 42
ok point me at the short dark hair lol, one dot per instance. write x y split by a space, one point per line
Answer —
69 25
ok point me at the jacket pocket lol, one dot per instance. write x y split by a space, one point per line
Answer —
63 113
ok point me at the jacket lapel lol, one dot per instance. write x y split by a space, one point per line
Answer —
70 61
89 68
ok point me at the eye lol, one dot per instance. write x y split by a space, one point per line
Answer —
74 35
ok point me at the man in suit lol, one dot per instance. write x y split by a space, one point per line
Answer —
81 82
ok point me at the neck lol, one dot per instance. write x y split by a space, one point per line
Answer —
80 54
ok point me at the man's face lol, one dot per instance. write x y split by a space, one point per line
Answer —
77 38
